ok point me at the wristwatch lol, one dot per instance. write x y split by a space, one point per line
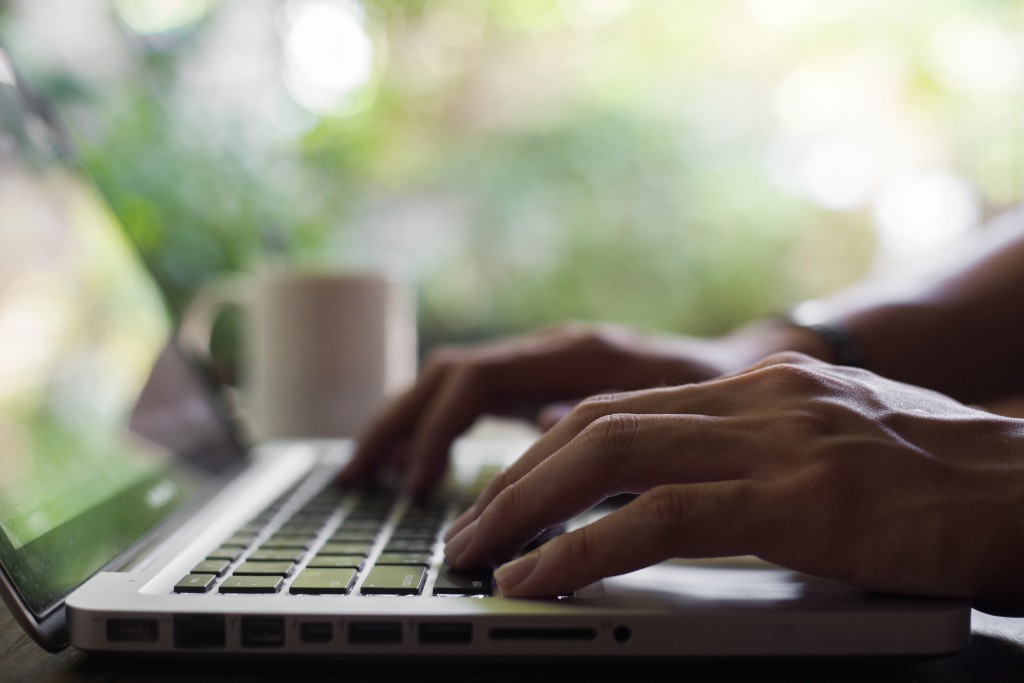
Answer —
845 347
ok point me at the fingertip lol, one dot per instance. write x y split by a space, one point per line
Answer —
461 522
513 578
455 549
347 476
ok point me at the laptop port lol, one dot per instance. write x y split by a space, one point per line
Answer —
198 631
445 633
375 633
542 634
262 631
133 630
316 632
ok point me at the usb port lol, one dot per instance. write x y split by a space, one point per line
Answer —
133 630
445 633
316 632
375 633
262 631
198 631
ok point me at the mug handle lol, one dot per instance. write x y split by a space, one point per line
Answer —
195 333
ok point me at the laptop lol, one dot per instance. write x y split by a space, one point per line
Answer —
133 518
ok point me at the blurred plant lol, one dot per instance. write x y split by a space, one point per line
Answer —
678 165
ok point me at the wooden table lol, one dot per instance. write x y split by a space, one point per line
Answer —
996 654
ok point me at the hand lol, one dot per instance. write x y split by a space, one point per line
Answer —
827 470
522 375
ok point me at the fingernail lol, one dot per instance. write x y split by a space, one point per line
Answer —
514 573
458 544
460 523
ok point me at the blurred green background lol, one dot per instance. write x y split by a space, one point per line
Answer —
683 165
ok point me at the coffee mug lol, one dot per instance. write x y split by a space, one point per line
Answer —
321 352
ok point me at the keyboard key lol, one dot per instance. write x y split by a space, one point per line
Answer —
252 584
416 521
211 567
353 536
276 555
322 581
394 580
240 538
345 549
265 568
415 534
226 552
311 518
409 546
404 558
195 583
337 561
300 528
300 541
368 525
454 582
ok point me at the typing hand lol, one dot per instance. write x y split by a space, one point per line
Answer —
827 470
520 376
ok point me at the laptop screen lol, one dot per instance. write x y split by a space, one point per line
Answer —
101 420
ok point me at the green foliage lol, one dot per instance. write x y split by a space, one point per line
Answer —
599 165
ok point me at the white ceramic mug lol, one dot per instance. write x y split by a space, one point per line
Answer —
321 352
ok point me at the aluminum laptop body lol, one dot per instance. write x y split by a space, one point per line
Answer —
128 507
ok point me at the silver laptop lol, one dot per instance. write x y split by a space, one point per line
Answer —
132 519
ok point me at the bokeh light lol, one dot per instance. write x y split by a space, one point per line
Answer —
328 53
153 17
978 58
920 211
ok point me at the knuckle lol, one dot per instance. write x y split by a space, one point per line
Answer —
581 546
788 358
664 506
509 504
587 337
792 376
468 377
441 358
615 431
593 340
567 329
499 483
592 409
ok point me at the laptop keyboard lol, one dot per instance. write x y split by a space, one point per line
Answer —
339 542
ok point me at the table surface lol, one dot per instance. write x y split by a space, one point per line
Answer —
996 653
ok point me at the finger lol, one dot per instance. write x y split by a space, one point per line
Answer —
695 520
619 453
392 426
454 408
710 398
556 438
507 371
435 410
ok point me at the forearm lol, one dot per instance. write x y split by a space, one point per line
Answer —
961 332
